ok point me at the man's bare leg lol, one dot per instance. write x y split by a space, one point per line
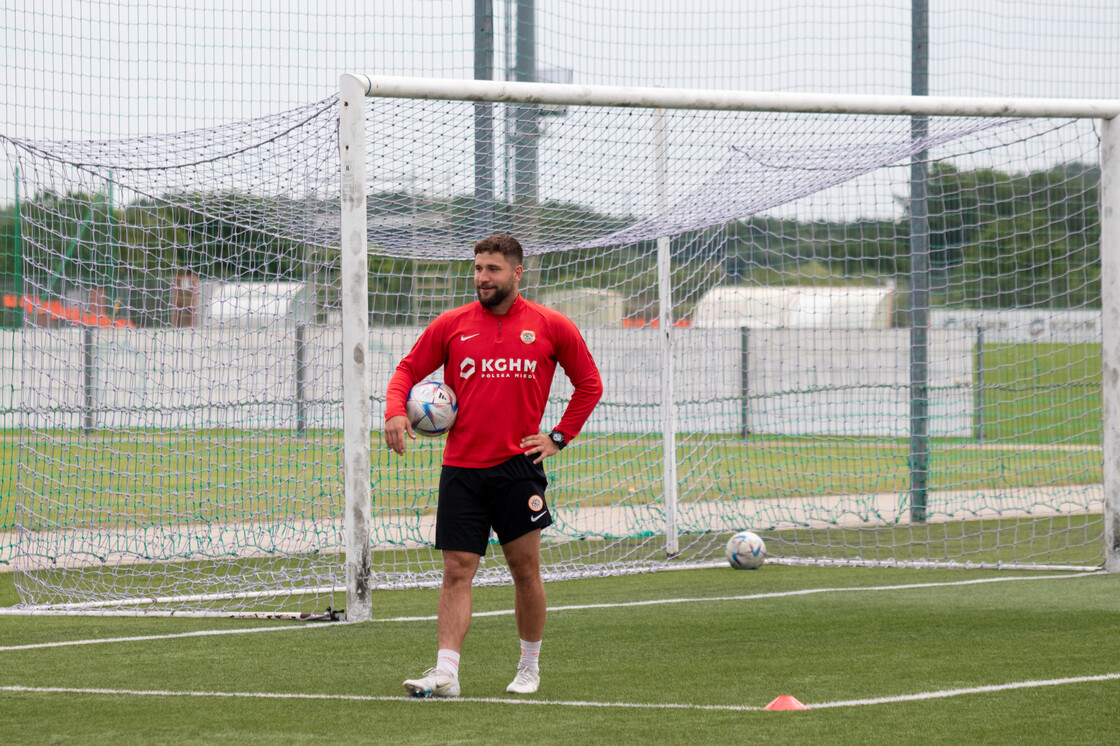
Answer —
454 612
529 606
454 615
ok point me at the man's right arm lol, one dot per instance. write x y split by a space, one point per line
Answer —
425 356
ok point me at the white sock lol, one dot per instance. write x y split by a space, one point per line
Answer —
530 655
448 662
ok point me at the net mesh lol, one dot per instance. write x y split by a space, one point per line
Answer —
180 397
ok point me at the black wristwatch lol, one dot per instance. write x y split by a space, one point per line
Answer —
558 438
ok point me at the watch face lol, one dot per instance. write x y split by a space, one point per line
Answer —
557 438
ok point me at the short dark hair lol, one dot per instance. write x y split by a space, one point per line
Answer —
500 243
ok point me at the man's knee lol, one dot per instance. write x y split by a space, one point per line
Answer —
524 568
523 555
525 576
459 567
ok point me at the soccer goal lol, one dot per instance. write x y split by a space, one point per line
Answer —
870 329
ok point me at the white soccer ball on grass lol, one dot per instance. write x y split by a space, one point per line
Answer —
746 551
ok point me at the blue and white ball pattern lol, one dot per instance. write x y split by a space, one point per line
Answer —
746 551
431 408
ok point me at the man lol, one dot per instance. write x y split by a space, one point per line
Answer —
499 355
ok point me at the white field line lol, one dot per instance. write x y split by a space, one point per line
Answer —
944 693
939 694
145 638
369 698
554 609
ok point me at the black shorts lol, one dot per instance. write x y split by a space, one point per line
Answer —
508 497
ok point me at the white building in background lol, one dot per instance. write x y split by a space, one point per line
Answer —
831 307
275 304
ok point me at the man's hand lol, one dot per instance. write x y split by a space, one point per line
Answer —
541 444
395 429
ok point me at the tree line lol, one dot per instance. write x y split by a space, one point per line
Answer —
996 240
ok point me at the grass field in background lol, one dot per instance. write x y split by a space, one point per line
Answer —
1042 393
663 672
205 478
1034 396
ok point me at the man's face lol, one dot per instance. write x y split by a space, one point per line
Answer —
495 279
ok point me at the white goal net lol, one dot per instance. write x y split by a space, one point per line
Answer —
793 337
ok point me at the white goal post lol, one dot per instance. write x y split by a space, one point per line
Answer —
354 88
875 330
1110 345
354 268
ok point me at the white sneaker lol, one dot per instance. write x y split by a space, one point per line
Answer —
526 681
434 683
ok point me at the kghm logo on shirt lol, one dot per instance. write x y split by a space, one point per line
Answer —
508 367
501 367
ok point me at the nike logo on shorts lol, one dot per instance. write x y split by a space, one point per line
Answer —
537 517
465 337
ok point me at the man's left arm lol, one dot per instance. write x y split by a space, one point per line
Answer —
575 358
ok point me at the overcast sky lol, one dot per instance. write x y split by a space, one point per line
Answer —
80 69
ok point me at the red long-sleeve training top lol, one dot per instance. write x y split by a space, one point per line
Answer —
500 367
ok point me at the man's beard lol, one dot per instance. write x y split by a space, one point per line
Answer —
500 294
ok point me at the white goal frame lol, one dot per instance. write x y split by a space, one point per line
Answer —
354 88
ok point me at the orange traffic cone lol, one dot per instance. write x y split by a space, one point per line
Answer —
785 702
